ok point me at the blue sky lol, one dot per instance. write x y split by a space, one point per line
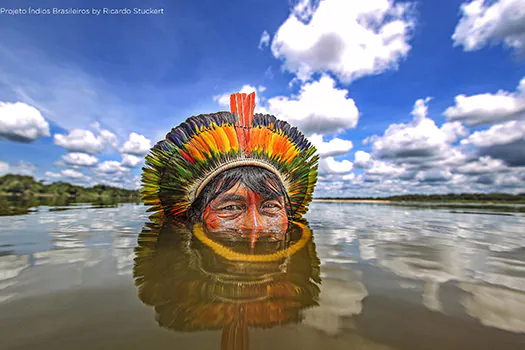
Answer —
373 85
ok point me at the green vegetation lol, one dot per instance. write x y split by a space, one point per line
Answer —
27 186
449 197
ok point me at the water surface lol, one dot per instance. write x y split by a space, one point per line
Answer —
375 276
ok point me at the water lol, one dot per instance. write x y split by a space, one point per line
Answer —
375 276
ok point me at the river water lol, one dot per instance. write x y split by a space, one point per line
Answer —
373 276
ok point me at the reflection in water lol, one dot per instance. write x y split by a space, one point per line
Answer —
23 205
339 299
392 278
194 288
432 248
495 306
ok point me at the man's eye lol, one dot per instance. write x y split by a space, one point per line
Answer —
231 207
271 205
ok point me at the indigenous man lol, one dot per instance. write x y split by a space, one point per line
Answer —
234 176
240 174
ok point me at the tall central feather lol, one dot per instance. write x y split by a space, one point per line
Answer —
243 107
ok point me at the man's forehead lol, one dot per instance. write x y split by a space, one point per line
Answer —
241 192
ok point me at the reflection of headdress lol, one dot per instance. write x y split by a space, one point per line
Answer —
179 167
192 288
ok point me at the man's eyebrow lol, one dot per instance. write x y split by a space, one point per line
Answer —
231 197
270 197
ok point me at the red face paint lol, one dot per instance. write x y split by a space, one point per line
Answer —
247 214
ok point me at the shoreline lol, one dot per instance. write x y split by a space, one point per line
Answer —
353 200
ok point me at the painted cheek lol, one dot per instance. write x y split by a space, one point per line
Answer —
276 224
211 220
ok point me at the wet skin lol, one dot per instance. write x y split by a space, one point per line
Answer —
246 214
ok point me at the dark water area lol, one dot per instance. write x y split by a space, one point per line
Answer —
355 276
12 205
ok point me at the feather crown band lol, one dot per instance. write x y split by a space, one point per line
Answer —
179 167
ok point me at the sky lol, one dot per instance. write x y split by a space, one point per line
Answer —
398 97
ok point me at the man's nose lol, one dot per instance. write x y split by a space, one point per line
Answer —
253 224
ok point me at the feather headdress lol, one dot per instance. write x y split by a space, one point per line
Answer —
180 166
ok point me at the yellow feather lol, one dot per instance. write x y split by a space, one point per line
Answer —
206 135
224 141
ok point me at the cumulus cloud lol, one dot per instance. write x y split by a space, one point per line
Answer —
76 176
265 40
378 167
489 108
21 122
73 174
419 139
362 159
334 147
52 175
84 141
320 108
486 22
505 141
434 175
351 39
20 167
329 165
482 165
79 159
110 167
420 110
4 168
130 161
499 134
136 144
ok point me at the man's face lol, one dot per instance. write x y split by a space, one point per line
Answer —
248 214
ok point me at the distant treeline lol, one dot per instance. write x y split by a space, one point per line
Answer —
464 197
21 185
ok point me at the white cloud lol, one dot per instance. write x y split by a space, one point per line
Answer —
80 159
73 174
348 38
84 141
498 134
4 168
130 161
320 108
453 131
491 22
108 137
384 169
434 175
110 167
21 168
349 177
420 110
419 139
329 165
136 144
21 122
482 165
332 148
265 40
362 159
52 175
489 108
511 181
